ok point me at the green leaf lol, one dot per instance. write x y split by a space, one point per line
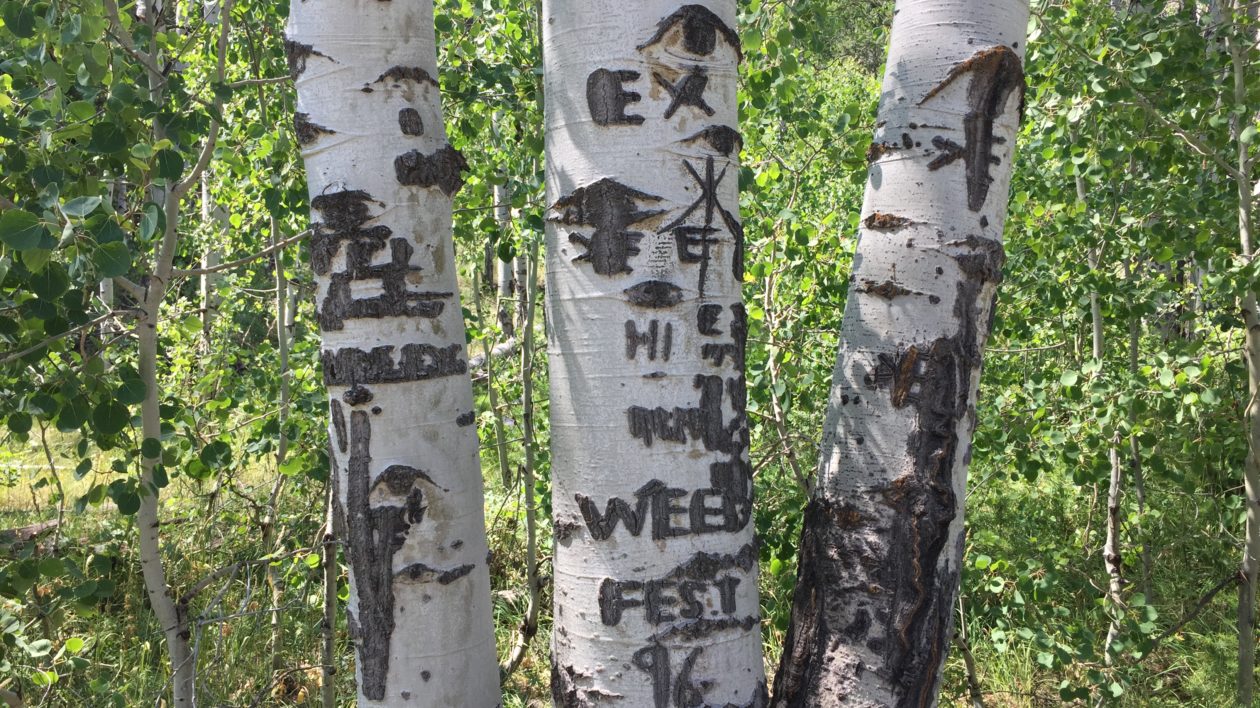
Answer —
20 423
128 501
80 207
151 448
1248 135
169 165
107 138
1069 378
18 19
112 259
52 568
20 229
111 417
150 221
131 389
74 645
74 413
217 454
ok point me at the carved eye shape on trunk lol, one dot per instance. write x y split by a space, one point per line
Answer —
654 294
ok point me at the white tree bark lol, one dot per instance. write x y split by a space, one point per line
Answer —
404 450
213 217
883 539
655 565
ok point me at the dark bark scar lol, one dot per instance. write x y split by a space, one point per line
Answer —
996 73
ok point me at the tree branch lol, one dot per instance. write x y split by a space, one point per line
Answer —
13 356
124 38
242 261
207 149
244 83
1193 613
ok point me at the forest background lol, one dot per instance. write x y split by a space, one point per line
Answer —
1117 337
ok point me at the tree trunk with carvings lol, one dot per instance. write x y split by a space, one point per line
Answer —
882 544
404 447
655 564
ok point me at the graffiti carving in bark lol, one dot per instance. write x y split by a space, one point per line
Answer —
408 498
655 566
882 545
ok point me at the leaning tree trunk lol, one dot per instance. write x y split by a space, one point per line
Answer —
655 564
882 543
404 450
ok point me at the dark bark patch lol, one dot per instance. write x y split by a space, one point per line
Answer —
996 73
421 573
607 100
565 692
406 73
887 290
879 221
706 566
357 396
687 92
701 627
982 259
878 150
443 169
950 152
410 122
373 535
297 53
701 29
724 139
466 419
344 226
306 131
654 295
339 425
418 362
611 208
563 530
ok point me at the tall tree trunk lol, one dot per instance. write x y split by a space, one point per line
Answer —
655 563
882 543
270 532
1239 40
503 216
211 218
381 177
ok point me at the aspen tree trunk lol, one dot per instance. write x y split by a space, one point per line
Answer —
1240 33
503 216
409 503
655 563
1113 562
882 544
213 218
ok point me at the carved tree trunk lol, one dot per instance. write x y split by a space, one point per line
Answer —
404 450
655 566
883 537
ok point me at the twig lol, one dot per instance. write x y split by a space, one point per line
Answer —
13 356
242 261
213 575
244 83
1192 614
